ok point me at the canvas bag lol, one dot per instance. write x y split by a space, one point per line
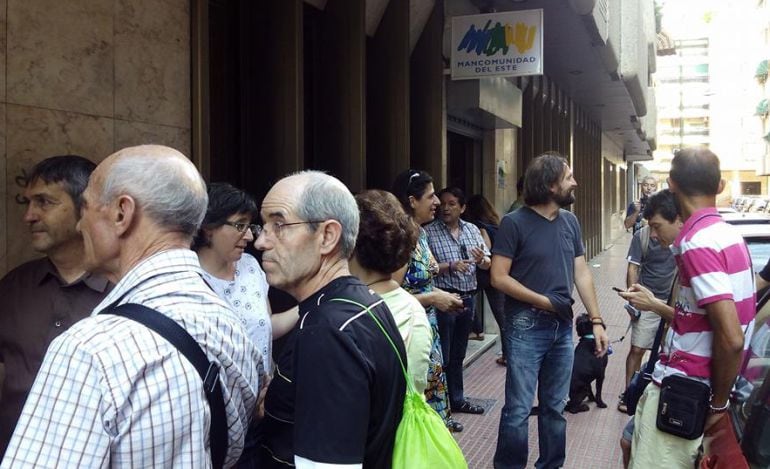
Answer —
422 439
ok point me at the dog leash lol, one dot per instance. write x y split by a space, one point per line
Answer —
624 334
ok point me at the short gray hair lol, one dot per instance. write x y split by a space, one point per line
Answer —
326 198
172 195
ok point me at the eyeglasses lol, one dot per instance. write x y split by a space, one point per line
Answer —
275 228
242 227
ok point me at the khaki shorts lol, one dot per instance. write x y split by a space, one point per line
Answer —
643 330
651 447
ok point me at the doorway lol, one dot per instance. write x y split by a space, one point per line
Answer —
464 163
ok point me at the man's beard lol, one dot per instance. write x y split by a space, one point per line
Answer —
564 201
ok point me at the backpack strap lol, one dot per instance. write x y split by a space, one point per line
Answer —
409 384
644 238
177 336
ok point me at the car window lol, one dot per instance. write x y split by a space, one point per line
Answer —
759 250
749 389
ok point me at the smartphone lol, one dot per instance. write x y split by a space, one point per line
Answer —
619 290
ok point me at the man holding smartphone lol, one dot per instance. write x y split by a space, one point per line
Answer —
459 249
652 265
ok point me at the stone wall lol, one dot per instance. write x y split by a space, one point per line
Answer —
86 77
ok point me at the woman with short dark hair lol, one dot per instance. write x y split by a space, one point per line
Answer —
226 231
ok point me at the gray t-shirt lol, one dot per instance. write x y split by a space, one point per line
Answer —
543 252
658 267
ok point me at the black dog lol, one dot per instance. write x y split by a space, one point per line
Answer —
586 369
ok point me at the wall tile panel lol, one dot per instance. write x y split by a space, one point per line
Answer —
34 134
152 62
60 55
135 133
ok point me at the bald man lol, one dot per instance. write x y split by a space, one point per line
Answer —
111 392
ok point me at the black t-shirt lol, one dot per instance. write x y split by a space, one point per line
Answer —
338 389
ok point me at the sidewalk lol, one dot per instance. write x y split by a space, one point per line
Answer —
592 437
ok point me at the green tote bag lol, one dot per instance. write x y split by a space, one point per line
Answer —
422 439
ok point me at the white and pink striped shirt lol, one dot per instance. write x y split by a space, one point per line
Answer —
714 265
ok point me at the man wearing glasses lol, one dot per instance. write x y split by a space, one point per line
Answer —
338 390
635 209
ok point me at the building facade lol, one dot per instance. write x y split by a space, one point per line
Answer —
254 90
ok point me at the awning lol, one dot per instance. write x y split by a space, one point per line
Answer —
762 108
664 43
761 73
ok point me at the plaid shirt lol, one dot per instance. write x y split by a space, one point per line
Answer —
446 248
113 393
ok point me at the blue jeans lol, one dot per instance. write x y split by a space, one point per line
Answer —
453 328
539 354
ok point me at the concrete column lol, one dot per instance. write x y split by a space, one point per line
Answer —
387 97
341 119
285 60
428 103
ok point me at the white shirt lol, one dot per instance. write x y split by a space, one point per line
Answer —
113 393
247 295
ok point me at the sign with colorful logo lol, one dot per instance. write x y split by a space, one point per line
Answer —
501 44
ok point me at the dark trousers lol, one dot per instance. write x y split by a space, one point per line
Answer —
497 304
453 329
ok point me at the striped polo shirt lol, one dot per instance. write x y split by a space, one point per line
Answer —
714 265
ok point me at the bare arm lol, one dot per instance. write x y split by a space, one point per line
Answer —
438 298
485 237
632 274
284 322
642 298
631 217
503 282
727 347
584 282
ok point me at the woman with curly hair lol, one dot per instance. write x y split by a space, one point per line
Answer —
386 239
414 189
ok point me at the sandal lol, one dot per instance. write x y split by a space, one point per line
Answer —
476 336
454 426
501 361
466 407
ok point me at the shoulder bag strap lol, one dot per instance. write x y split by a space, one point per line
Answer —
368 310
655 348
672 297
208 371
644 238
